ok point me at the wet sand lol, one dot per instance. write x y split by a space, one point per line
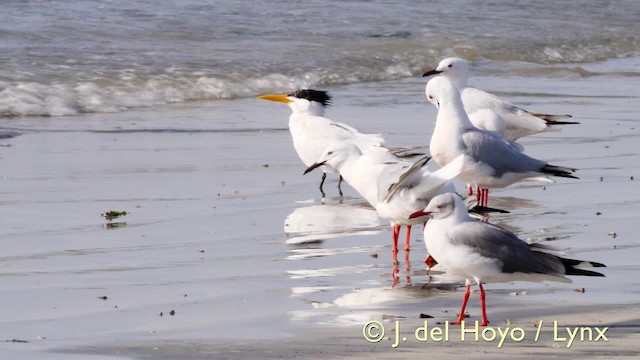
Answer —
619 341
223 229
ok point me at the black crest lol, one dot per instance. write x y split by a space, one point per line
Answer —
313 95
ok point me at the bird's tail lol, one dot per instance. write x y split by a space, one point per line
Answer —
571 269
483 210
560 171
555 119
471 203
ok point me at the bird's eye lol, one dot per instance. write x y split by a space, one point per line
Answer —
450 65
330 153
441 206
430 97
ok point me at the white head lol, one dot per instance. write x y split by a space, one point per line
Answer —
441 92
438 89
443 206
335 155
309 101
455 69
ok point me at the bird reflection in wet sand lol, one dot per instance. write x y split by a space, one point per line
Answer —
318 222
395 274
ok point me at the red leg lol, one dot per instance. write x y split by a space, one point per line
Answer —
464 306
428 279
469 190
407 268
394 275
485 197
484 322
479 196
394 250
407 242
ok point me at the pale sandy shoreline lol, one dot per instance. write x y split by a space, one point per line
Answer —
619 325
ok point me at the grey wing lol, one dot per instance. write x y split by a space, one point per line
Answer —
502 155
408 152
495 242
404 178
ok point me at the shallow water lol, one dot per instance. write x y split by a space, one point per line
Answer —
69 57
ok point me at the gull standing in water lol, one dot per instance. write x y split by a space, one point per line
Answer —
312 132
490 161
395 187
484 119
516 121
483 253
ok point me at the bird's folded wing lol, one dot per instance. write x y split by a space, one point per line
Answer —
430 181
502 155
494 242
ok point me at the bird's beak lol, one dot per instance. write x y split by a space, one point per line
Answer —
275 97
431 72
313 166
420 213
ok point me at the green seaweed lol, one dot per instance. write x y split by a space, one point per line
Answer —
110 215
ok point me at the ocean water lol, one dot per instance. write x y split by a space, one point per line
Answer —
68 57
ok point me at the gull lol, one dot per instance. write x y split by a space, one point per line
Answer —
485 119
518 122
312 132
490 161
395 187
483 253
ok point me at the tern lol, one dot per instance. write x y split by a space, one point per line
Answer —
312 132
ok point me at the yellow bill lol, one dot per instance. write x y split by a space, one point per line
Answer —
275 97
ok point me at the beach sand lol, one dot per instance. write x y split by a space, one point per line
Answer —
619 341
223 229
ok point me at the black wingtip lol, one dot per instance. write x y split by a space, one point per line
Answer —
552 122
570 267
582 272
559 171
485 209
574 262
555 119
